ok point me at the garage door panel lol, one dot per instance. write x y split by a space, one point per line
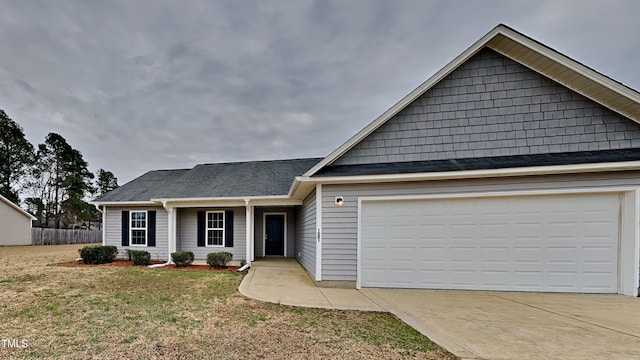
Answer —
565 243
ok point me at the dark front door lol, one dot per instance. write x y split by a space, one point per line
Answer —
274 235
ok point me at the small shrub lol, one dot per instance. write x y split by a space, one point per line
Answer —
98 254
219 259
140 257
182 258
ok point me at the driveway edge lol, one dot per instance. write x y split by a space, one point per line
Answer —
434 335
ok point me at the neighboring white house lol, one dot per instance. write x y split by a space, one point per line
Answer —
15 224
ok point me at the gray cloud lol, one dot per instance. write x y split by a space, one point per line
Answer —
142 85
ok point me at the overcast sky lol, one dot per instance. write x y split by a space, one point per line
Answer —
144 85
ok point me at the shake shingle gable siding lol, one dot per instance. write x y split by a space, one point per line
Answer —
493 106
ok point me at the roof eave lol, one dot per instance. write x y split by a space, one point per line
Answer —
124 203
476 174
17 208
273 200
570 73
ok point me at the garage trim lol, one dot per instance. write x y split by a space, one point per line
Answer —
629 244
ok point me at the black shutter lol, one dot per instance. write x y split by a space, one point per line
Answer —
228 228
125 228
151 228
201 227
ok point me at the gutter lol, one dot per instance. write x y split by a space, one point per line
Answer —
477 174
124 203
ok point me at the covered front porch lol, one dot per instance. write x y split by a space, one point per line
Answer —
248 228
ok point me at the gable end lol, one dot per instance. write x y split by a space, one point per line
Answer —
493 106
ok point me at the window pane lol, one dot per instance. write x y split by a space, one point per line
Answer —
138 237
219 221
210 220
138 219
214 237
215 220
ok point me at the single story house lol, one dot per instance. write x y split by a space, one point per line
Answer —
15 224
512 168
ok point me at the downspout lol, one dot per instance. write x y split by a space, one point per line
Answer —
245 267
172 236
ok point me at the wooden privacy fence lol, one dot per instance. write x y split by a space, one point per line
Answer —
44 236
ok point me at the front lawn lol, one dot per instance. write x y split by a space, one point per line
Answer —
113 313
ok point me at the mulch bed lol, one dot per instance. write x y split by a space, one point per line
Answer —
121 263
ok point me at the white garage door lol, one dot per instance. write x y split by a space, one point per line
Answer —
559 243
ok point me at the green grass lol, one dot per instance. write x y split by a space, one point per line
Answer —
146 313
375 328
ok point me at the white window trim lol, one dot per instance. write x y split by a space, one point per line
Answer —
207 228
146 228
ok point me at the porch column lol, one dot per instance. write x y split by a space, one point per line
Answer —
319 232
173 238
171 229
248 232
104 221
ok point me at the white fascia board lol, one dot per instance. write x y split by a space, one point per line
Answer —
126 203
570 63
294 186
16 207
299 190
474 174
566 62
281 200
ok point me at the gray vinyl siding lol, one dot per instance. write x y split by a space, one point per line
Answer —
340 223
493 106
306 234
259 229
113 232
187 238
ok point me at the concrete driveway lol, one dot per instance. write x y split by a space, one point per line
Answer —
475 324
499 325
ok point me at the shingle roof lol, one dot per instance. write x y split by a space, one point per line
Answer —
16 207
221 180
485 163
143 188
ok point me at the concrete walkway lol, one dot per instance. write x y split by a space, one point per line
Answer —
284 281
475 324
